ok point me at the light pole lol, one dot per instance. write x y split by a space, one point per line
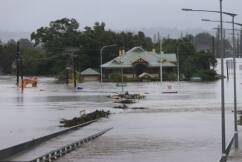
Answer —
234 71
101 60
220 12
223 158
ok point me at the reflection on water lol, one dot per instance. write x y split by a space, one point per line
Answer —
172 128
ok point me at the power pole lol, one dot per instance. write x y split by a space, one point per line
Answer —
74 71
241 43
238 45
67 75
17 64
213 48
217 43
21 72
71 52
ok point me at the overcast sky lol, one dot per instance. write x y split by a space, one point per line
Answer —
28 15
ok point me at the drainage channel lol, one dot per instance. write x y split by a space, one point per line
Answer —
55 148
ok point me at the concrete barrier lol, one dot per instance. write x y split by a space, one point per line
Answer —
55 154
29 144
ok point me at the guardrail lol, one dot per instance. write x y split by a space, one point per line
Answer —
5 153
227 151
55 154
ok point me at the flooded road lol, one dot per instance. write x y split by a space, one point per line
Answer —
183 126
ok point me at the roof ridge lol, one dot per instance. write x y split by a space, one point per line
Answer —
136 49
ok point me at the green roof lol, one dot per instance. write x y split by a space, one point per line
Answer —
139 54
89 71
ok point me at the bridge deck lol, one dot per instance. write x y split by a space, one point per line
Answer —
57 143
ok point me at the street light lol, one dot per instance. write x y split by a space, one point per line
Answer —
212 11
101 59
234 70
223 158
230 22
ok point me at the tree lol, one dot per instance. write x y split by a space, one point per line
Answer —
7 56
25 43
192 63
55 39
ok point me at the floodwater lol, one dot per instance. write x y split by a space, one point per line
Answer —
182 127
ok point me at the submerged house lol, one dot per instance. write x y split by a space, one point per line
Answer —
89 75
137 61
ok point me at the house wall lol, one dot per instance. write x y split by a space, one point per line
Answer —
130 72
90 78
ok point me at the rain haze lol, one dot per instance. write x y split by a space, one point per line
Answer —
28 15
171 92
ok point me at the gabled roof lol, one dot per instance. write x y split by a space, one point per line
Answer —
89 71
136 54
145 75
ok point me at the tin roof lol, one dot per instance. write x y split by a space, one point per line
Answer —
138 54
89 71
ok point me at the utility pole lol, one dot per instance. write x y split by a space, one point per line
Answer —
74 71
236 140
241 43
238 45
21 73
67 75
178 62
213 48
17 64
71 52
217 43
227 69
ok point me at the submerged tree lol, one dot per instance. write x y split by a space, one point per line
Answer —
191 63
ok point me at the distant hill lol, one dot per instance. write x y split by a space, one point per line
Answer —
151 32
7 35
170 32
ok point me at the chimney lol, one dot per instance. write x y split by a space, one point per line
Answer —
120 52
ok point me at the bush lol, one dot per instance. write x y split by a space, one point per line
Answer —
207 75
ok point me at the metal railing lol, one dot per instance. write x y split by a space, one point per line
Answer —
227 150
55 154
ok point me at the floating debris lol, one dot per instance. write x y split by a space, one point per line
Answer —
126 95
139 108
85 118
123 106
124 101
79 88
